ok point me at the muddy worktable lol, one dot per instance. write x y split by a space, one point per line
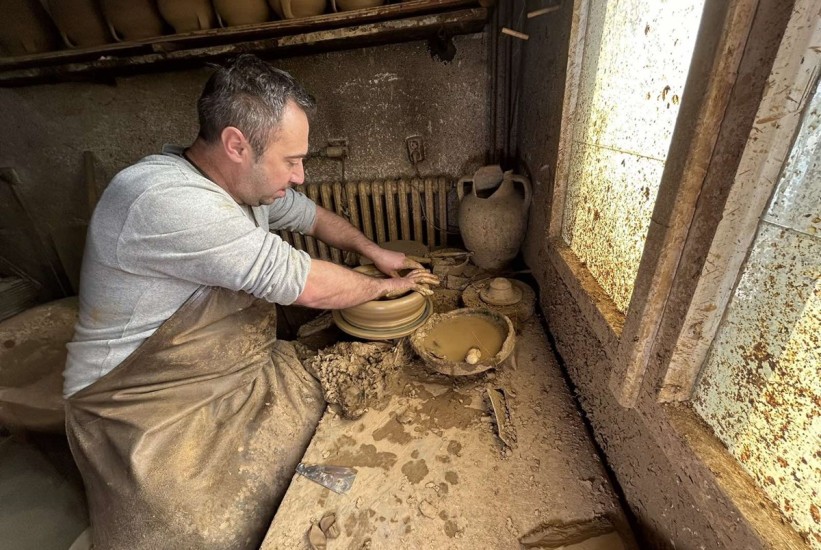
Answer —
432 472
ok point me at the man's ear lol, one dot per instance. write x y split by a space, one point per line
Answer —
235 145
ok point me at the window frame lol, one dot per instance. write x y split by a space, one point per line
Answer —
723 166
629 339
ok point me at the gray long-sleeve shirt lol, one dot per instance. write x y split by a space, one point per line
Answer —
160 231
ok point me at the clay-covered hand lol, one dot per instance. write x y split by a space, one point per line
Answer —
390 262
419 280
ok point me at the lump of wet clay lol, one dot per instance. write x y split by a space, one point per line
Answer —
473 356
316 538
329 526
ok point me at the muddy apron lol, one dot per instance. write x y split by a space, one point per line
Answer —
191 441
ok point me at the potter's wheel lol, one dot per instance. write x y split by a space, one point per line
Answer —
376 333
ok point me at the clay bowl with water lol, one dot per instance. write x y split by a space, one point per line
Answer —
445 339
385 318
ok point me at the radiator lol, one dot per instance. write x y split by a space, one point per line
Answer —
384 210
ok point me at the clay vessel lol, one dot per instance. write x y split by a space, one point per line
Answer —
294 9
493 224
348 5
519 312
501 292
241 12
132 19
385 313
27 29
80 22
188 15
385 318
452 330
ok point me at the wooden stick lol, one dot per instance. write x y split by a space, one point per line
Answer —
543 11
515 34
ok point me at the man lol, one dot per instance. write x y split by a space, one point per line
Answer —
184 415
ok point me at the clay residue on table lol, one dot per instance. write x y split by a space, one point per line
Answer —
394 431
440 476
448 410
415 470
356 375
366 456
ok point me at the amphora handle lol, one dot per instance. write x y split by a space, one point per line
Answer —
527 189
460 187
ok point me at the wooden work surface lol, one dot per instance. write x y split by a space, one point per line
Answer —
432 472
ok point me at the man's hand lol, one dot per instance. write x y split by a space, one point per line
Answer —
419 280
337 232
390 262
331 286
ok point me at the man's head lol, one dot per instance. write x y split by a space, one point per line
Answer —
258 117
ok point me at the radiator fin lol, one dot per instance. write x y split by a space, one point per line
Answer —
411 209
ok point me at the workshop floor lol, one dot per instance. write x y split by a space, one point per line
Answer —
433 473
42 506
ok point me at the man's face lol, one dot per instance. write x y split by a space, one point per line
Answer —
280 166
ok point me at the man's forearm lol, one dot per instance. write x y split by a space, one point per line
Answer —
330 286
336 231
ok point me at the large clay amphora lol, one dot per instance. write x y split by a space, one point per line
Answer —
493 223
27 29
294 9
132 19
80 22
188 15
241 12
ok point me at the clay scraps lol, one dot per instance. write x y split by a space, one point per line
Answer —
355 376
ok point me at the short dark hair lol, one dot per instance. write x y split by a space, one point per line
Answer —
250 95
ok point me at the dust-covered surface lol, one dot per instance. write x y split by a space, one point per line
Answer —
432 472
445 299
32 359
661 495
356 375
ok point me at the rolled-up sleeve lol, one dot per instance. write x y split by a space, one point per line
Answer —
204 237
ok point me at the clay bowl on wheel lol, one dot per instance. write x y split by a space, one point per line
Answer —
446 340
385 318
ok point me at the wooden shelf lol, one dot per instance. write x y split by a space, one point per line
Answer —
411 20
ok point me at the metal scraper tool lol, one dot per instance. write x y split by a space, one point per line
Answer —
338 479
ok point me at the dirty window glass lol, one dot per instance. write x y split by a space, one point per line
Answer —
636 57
760 389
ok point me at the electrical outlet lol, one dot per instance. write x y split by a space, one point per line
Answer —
416 149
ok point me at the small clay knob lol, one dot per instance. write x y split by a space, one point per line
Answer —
473 356
501 292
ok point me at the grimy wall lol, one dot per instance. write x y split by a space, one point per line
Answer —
373 97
